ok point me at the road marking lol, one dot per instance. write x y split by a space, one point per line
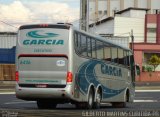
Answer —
147 90
22 102
4 93
144 97
145 101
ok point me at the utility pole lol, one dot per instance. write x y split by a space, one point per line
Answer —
132 39
84 15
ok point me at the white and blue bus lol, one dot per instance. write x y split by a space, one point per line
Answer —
56 63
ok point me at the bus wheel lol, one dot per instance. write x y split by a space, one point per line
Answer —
120 104
90 99
46 104
98 97
80 105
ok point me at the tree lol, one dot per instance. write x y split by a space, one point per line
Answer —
154 60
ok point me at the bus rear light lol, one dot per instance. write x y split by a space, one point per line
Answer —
17 76
43 25
69 77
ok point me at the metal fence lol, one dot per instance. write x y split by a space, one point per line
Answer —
7 72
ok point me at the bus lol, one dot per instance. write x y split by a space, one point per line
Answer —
57 63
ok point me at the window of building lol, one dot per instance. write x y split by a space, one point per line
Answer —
151 61
156 11
151 35
105 12
151 30
99 12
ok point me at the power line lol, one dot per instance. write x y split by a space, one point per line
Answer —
9 24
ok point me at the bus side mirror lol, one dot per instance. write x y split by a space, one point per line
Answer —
137 70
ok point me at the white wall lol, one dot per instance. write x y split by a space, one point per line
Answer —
128 3
125 14
104 28
138 13
124 25
115 5
155 4
133 13
7 41
102 5
92 12
142 3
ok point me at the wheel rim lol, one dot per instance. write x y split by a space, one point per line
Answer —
90 99
98 98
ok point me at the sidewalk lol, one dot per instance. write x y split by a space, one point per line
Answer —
7 86
147 85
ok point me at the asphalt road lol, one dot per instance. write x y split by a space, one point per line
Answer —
145 104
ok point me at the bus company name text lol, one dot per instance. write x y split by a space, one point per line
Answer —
109 70
43 42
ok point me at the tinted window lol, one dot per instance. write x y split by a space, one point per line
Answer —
89 47
83 45
93 43
100 50
114 54
107 53
120 56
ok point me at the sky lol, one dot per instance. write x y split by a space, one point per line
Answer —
14 13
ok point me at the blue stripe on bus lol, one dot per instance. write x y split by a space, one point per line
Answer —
87 75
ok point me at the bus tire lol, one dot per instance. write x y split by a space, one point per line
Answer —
80 105
90 102
120 104
41 104
98 99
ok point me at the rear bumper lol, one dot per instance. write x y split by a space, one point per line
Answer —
27 93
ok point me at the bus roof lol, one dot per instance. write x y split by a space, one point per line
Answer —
59 26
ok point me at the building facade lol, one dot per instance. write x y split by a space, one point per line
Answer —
149 48
101 9
122 24
7 56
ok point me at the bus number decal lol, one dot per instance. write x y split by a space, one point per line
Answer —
25 62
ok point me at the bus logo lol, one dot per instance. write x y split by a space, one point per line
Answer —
42 38
35 34
60 63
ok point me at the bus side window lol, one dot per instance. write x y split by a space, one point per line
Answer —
126 59
114 54
93 43
89 47
107 53
120 56
100 50
77 40
83 45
